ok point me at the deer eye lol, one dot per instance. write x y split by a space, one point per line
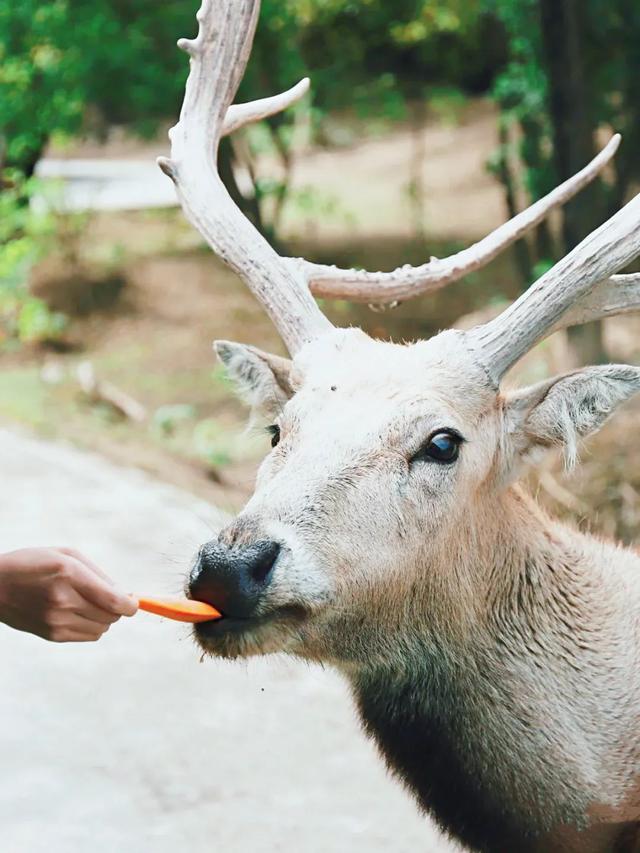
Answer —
274 432
443 447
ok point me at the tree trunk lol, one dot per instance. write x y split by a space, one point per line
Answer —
249 206
573 139
416 165
534 159
506 177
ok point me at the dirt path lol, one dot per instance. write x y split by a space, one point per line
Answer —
131 744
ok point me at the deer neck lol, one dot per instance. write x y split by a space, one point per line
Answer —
493 710
508 574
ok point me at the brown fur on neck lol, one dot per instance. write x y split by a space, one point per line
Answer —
506 681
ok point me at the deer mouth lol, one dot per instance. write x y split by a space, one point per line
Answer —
233 636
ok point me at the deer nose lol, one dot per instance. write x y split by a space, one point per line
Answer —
233 579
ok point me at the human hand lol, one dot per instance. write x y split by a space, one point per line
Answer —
60 595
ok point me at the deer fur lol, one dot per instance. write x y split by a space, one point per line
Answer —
493 653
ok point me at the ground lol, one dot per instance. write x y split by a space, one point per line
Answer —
132 743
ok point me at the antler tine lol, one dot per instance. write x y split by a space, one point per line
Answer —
617 295
565 295
407 282
219 56
238 115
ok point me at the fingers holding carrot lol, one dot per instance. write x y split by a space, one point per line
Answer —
59 594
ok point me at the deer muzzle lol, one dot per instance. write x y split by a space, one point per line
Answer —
233 578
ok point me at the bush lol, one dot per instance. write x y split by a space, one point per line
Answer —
25 236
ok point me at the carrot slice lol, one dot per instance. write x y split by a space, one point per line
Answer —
182 609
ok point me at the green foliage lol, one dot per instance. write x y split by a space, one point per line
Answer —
76 65
64 66
36 323
58 59
375 55
610 56
72 62
613 60
25 236
521 91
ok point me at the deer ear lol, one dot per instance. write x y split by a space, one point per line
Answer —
560 411
261 379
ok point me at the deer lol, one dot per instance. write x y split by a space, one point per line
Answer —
493 653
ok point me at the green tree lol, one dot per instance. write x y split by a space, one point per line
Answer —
571 71
25 235
64 66
69 63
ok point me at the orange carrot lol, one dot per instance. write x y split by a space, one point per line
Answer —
182 609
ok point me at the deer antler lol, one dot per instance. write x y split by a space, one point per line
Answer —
407 282
240 114
219 55
567 293
284 286
619 294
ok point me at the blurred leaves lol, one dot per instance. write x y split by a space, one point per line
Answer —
61 59
25 236
610 56
73 65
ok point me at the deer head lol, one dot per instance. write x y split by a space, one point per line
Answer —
391 468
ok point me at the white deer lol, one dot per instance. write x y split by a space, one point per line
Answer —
494 654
